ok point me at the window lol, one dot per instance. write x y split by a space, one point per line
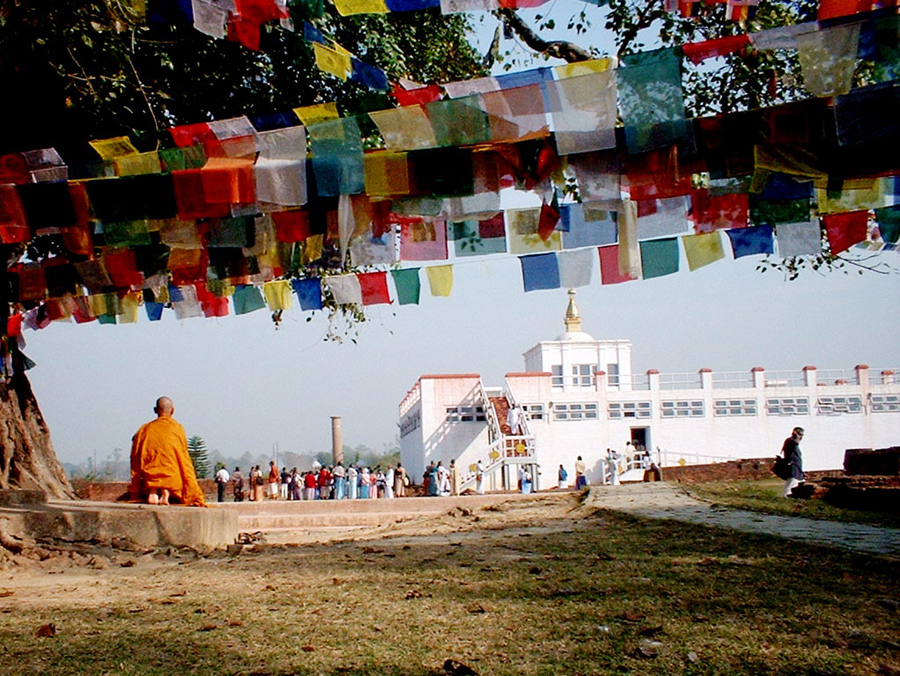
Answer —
682 408
836 405
730 407
788 406
533 411
457 414
582 375
887 403
557 379
628 409
575 412
612 372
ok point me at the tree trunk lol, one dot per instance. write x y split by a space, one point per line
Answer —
27 458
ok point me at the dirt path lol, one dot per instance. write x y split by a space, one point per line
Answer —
668 501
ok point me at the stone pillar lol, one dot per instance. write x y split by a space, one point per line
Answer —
337 440
887 377
810 375
706 378
759 376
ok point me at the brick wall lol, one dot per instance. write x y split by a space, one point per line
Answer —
733 470
110 491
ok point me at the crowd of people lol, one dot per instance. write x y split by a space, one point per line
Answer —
334 482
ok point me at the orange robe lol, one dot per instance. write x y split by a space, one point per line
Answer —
159 459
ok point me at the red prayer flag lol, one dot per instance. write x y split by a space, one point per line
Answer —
13 224
547 222
374 288
188 135
420 96
656 174
845 230
609 266
14 169
121 266
190 198
243 31
719 212
291 226
14 325
708 49
77 238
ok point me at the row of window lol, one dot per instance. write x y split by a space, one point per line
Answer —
582 375
691 408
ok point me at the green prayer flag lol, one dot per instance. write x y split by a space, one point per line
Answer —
659 257
408 286
459 122
889 223
247 299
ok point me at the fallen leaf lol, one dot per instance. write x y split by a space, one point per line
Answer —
6 592
651 631
307 648
632 617
48 629
413 594
457 668
128 563
208 627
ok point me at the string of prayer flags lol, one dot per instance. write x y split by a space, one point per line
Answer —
407 285
309 293
540 271
659 257
799 239
440 279
575 267
609 266
703 249
759 239
845 230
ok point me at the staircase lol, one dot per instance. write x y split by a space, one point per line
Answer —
505 453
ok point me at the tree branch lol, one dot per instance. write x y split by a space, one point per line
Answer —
560 49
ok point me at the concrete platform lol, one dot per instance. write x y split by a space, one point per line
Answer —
110 522
280 515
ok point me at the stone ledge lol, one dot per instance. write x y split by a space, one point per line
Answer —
17 498
141 525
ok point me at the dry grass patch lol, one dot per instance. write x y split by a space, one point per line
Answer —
529 588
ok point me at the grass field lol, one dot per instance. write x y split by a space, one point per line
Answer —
765 496
543 587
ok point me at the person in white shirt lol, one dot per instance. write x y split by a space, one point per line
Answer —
222 478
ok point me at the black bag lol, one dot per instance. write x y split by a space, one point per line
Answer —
781 468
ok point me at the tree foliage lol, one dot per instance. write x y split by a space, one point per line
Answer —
199 456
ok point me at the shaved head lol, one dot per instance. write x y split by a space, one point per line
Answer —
164 406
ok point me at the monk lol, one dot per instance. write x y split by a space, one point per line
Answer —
161 469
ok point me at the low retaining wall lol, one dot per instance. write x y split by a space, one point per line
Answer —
733 470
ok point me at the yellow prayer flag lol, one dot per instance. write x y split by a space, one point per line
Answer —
340 50
348 7
278 294
629 247
111 148
703 249
312 248
406 128
584 68
875 197
332 62
440 279
320 112
387 173
128 308
142 163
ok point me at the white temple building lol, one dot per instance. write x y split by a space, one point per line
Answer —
579 396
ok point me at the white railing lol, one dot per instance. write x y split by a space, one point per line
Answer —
680 381
667 459
732 380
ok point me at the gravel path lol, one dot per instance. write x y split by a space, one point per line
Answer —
668 501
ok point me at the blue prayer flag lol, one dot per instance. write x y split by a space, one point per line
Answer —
540 271
750 241
369 76
154 310
309 293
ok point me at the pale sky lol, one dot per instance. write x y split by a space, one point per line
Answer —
244 386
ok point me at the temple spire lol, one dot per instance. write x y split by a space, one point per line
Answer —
573 316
